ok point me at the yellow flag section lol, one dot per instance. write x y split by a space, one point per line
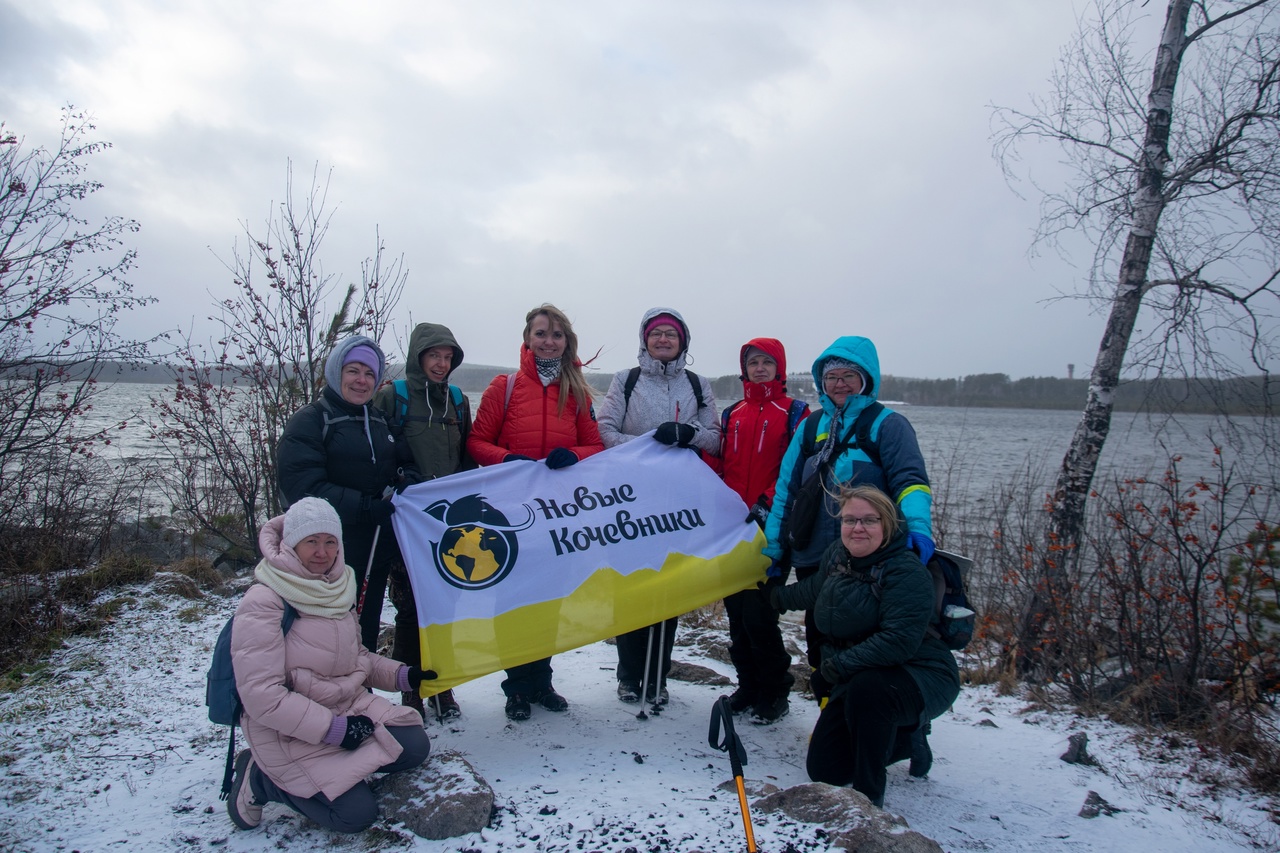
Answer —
516 562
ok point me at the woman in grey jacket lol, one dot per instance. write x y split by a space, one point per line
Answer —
873 601
661 395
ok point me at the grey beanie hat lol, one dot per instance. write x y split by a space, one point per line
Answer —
308 517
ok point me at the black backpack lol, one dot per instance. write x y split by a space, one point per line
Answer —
953 614
220 692
634 376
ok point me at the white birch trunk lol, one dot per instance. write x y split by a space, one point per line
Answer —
1075 478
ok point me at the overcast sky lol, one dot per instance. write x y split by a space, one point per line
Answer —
801 170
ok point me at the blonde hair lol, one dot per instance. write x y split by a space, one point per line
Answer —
571 379
880 502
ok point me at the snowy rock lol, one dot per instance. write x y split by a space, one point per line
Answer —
753 787
1094 805
443 798
692 673
1078 750
848 819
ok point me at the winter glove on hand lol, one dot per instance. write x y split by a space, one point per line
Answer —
380 512
681 435
819 686
922 545
516 457
416 676
828 668
561 457
759 514
354 731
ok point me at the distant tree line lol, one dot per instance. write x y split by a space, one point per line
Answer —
1183 395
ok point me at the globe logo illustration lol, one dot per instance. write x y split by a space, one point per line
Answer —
479 547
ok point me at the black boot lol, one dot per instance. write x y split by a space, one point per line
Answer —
921 754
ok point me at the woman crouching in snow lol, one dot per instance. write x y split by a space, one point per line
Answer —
314 729
872 599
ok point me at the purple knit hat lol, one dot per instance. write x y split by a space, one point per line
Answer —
366 356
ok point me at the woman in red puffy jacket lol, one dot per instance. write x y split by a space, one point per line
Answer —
542 412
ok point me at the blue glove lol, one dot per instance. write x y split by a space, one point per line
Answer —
922 545
561 457
774 570
517 457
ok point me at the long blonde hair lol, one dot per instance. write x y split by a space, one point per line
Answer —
571 379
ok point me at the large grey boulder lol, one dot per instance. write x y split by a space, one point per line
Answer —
848 818
443 798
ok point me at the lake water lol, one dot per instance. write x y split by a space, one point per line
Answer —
967 450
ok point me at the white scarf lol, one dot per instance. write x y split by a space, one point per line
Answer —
313 596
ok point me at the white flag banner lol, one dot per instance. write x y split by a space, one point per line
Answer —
516 562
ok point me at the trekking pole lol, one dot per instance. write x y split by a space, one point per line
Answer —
657 679
644 677
722 715
368 569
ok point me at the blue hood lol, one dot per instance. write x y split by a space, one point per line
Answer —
861 352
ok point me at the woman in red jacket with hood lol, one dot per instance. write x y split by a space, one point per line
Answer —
543 412
756 433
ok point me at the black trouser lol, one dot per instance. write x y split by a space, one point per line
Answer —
406 645
813 638
530 680
863 729
356 809
357 546
633 649
755 646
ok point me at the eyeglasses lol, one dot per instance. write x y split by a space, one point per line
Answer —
665 333
867 522
849 380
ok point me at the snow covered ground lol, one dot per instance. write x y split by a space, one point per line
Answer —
110 749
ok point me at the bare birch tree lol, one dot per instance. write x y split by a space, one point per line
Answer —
1177 184
231 399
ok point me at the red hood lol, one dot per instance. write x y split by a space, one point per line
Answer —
773 347
764 390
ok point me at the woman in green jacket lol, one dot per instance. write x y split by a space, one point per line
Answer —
873 600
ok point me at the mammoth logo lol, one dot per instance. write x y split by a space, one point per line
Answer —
479 547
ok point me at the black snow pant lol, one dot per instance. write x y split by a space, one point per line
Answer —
633 648
357 808
865 728
373 586
406 645
813 638
755 646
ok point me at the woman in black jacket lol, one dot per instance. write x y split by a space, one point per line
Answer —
873 600
340 449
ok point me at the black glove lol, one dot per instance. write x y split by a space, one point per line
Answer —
681 435
516 457
380 512
359 727
417 676
561 457
406 478
819 686
828 667
759 514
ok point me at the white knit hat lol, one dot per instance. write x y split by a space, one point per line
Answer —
308 517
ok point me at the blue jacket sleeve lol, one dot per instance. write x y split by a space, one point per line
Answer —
904 473
775 548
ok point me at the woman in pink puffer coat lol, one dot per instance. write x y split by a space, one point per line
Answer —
314 729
